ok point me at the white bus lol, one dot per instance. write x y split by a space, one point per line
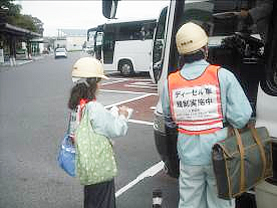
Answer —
248 50
126 46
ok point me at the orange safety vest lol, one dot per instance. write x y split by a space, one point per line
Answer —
195 105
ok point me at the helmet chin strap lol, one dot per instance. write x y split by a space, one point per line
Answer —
205 51
77 80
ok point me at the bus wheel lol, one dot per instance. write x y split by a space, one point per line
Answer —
126 68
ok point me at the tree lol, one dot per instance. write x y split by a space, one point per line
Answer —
38 25
30 23
10 13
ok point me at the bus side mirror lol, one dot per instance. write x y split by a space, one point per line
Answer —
109 8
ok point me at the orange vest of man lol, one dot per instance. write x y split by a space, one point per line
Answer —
196 104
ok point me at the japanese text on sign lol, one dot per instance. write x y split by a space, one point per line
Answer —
197 103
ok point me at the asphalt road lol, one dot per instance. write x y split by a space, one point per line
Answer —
33 119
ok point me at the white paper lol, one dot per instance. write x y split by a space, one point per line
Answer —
130 112
114 111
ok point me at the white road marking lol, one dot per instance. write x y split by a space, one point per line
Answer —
141 86
132 79
129 100
141 122
144 83
125 91
148 173
113 82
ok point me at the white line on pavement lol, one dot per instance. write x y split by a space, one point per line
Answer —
130 100
120 91
140 86
148 173
114 82
145 83
141 122
132 79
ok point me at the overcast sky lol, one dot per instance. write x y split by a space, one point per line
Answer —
85 14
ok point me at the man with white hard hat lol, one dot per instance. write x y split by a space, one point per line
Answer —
199 99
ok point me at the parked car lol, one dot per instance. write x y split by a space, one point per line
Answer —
60 52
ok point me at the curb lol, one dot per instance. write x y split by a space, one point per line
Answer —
21 62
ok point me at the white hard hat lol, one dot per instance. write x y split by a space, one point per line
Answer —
190 38
88 67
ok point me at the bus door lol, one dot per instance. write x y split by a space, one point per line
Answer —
146 41
158 46
108 44
98 44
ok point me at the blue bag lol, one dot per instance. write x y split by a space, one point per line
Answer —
66 156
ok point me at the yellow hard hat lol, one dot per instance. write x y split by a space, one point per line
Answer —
87 67
190 38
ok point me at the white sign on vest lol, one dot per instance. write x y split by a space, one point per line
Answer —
196 103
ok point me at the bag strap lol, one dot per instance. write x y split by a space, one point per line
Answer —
257 138
242 153
82 105
68 124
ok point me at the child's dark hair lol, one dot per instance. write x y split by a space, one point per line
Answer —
82 91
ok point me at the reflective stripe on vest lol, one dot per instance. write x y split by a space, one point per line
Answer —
196 104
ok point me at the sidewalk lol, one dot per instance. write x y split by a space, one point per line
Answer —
19 62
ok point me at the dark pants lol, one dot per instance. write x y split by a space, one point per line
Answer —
100 195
